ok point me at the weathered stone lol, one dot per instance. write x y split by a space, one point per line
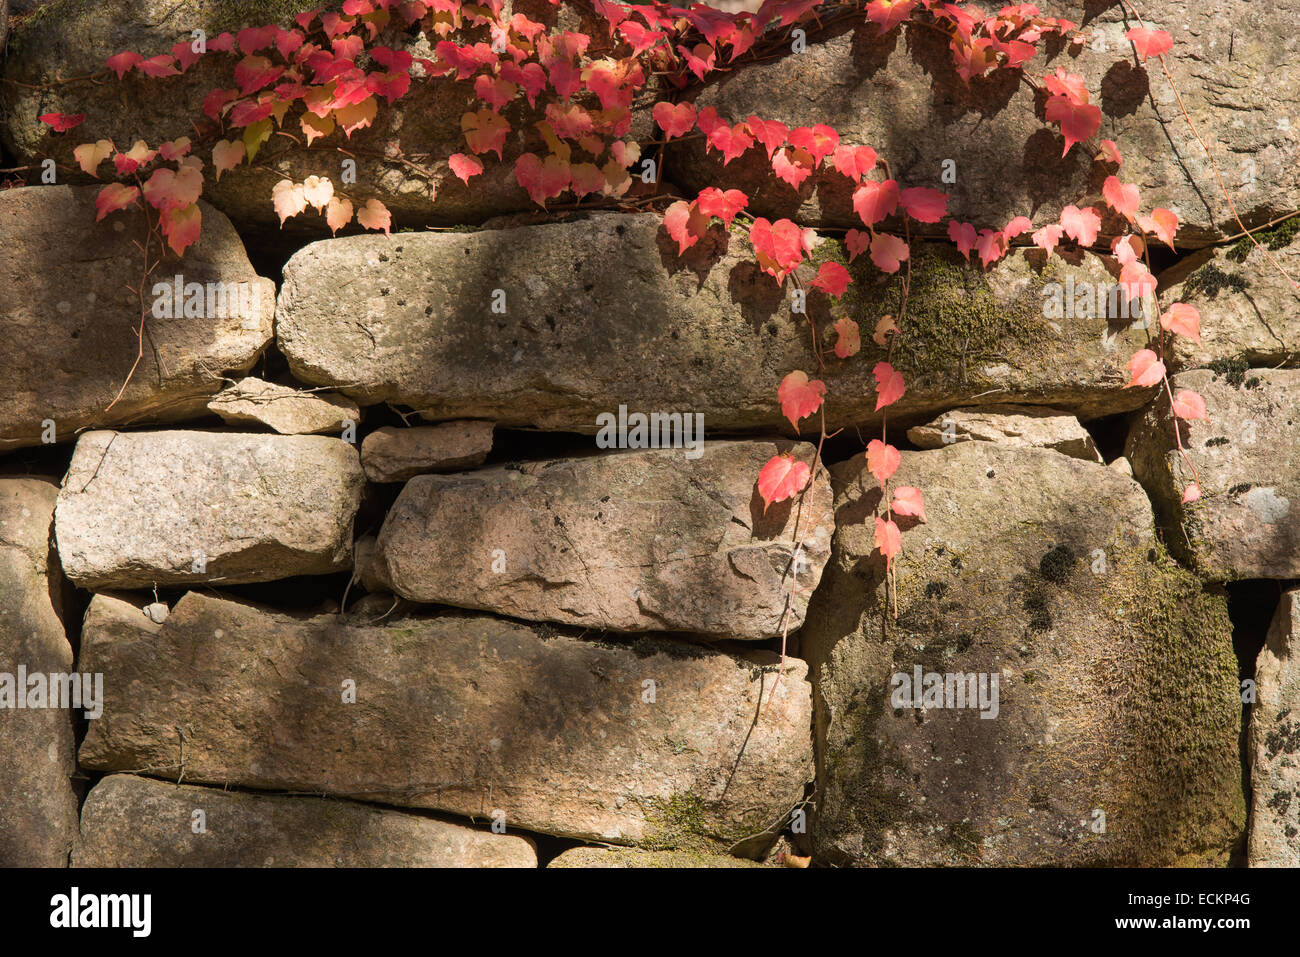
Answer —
627 857
1250 312
636 541
38 806
1016 426
70 319
287 410
602 313
1117 691
170 508
425 124
901 95
654 742
395 455
1275 743
131 821
1248 460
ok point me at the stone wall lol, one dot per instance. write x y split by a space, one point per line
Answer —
348 578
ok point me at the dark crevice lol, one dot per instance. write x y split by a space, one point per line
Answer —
1251 606
1109 434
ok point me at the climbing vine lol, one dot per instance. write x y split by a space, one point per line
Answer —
318 82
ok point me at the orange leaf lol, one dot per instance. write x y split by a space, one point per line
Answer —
882 460
181 227
113 197
375 215
888 539
849 341
1122 197
338 213
1184 320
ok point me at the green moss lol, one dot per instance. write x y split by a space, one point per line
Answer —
1233 370
688 822
234 15
1275 237
1181 781
954 323
1210 280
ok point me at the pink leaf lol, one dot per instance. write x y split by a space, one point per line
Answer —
1146 369
908 501
781 478
800 397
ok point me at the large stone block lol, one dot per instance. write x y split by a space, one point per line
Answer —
650 742
38 806
634 541
1247 456
70 318
140 509
131 821
1111 735
601 313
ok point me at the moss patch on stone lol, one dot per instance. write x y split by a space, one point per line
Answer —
687 822
954 322
1182 779
1275 237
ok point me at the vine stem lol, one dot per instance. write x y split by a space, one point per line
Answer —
147 271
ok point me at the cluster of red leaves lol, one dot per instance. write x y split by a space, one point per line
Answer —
328 74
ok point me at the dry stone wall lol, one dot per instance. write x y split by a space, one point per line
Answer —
445 549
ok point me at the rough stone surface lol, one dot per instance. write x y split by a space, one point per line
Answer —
289 411
1015 426
136 508
637 541
1245 524
1249 311
78 40
461 714
900 94
1275 744
1117 680
70 320
608 857
602 313
395 454
130 821
38 806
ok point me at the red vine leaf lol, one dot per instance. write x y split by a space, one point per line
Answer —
889 385
781 478
800 397
113 197
181 227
